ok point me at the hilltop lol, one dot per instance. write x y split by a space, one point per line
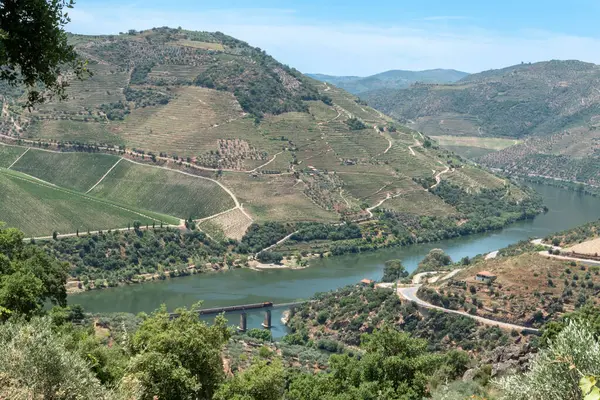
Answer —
552 106
178 125
393 79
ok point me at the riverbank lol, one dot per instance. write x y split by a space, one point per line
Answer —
242 285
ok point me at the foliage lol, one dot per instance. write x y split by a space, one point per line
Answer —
28 277
588 314
262 381
355 124
38 363
34 49
261 334
269 257
435 260
555 372
122 256
258 237
393 270
145 97
572 236
317 231
355 309
177 357
394 366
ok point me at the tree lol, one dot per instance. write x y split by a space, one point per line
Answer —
394 366
38 363
28 277
556 371
176 358
393 270
435 260
34 50
262 381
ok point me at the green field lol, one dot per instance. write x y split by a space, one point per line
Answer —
77 171
8 154
39 209
163 191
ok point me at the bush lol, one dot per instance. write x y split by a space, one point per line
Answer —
261 334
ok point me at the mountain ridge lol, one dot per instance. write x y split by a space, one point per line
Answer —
391 79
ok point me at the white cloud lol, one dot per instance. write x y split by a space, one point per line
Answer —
344 48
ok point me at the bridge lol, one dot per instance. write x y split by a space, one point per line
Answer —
267 306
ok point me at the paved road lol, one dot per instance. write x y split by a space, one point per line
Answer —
410 293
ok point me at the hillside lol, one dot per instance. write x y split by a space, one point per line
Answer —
553 105
247 139
394 79
527 99
534 284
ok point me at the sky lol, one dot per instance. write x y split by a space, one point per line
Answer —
366 37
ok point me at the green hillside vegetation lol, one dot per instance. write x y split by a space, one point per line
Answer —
395 79
77 171
163 191
111 258
344 344
39 208
290 148
9 154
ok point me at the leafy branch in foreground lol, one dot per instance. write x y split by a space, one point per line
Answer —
34 50
556 373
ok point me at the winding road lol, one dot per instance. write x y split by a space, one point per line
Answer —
410 294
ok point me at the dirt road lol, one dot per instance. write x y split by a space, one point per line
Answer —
410 294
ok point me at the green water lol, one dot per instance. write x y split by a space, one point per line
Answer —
566 210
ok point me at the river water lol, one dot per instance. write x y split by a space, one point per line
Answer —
567 209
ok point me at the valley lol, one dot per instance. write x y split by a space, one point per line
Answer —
533 120
185 216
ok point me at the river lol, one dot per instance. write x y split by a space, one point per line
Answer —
567 209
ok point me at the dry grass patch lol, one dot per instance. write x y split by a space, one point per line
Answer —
420 202
591 247
232 224
275 198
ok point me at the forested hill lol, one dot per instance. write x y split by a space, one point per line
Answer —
526 99
394 79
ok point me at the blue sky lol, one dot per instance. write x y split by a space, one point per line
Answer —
365 37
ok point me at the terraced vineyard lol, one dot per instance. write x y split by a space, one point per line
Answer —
77 171
39 209
9 154
216 125
164 191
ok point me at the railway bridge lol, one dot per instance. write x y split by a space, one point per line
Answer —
267 306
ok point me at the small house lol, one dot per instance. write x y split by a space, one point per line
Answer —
485 277
366 282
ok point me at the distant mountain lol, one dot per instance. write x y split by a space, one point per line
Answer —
553 105
395 79
527 99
